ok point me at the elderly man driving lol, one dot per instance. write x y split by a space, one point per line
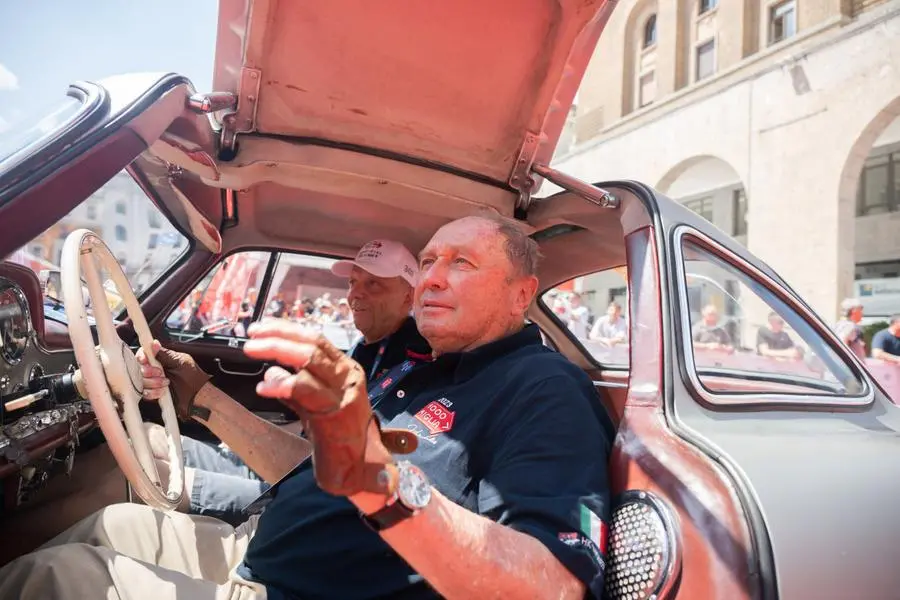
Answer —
504 494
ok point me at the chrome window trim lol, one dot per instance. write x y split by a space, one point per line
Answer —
772 399
93 99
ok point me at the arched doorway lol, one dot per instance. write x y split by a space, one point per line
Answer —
713 189
870 183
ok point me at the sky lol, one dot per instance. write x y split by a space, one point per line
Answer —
47 44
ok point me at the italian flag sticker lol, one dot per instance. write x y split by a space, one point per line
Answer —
594 528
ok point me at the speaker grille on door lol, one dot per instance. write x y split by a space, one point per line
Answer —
643 557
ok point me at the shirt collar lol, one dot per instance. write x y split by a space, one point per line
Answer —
466 364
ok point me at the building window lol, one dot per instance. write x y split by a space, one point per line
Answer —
782 21
155 222
706 60
707 5
120 208
879 186
153 241
91 212
121 234
739 212
702 206
646 88
650 31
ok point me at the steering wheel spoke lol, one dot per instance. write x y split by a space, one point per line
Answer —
114 372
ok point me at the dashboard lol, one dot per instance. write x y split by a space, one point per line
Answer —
42 418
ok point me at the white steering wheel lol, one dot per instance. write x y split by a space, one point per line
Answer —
111 370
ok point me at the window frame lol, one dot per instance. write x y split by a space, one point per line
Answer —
263 295
683 344
739 200
892 166
93 103
772 8
712 42
561 326
215 338
711 5
640 88
647 43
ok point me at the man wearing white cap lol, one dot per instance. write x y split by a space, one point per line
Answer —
381 280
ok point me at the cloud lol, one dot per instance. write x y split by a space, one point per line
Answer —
8 79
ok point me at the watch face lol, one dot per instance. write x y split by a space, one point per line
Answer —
413 489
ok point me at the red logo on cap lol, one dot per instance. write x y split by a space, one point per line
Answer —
436 417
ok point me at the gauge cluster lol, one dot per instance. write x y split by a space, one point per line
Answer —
25 366
41 414
15 323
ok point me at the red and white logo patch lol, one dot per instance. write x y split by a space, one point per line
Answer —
436 417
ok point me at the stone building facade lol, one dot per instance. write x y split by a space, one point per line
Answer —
775 119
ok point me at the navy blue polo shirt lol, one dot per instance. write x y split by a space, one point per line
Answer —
887 342
511 430
391 351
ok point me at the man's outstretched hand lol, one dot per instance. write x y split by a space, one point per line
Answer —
179 370
327 390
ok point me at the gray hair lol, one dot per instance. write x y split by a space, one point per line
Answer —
522 251
849 304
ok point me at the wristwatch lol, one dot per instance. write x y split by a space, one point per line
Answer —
412 495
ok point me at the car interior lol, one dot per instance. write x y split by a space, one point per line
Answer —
318 200
314 178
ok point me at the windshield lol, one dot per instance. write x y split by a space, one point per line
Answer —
25 131
134 229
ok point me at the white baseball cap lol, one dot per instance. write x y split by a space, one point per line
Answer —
381 258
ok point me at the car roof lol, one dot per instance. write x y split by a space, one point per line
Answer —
472 85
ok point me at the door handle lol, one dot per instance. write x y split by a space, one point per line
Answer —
242 373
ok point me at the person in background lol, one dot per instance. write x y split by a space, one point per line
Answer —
774 341
326 313
245 315
709 335
611 328
344 316
277 307
886 343
578 316
848 329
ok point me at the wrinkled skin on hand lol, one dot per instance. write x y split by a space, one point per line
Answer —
180 371
351 453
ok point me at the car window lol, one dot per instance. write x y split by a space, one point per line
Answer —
744 339
224 302
26 131
144 242
595 310
302 288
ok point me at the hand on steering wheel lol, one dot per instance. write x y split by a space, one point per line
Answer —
111 370
185 377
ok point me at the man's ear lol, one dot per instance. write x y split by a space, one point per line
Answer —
524 290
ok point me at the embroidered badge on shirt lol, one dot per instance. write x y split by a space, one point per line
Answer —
436 417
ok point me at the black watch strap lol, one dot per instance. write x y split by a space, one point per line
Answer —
387 516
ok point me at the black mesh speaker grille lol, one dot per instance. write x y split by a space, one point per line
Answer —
642 549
